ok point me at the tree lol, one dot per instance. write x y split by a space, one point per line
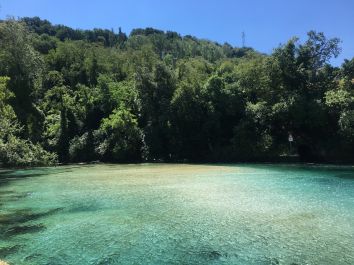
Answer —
20 62
15 151
156 95
119 137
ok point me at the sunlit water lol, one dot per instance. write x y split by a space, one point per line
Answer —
177 214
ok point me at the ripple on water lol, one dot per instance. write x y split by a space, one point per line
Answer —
177 214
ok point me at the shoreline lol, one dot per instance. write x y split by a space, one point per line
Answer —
283 163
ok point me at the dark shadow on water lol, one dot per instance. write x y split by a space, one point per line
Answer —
45 260
7 176
207 255
11 196
211 254
6 251
111 259
345 176
34 256
19 222
23 216
6 192
84 208
23 229
271 261
15 224
25 173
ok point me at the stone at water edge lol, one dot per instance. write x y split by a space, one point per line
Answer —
3 263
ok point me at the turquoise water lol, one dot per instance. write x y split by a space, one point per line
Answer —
177 214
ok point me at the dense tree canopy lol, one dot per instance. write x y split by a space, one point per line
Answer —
85 95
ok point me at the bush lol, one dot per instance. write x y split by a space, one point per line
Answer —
20 152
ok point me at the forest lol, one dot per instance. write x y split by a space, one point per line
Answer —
70 95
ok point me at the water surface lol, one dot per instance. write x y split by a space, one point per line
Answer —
177 214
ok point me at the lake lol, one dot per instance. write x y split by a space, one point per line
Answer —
177 214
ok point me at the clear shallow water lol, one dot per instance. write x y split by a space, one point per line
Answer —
177 214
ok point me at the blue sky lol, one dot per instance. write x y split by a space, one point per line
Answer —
266 23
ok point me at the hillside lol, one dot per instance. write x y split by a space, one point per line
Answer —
72 95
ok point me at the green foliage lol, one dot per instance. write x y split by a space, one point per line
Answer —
15 151
346 123
81 148
5 95
20 62
339 98
120 138
99 95
20 152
